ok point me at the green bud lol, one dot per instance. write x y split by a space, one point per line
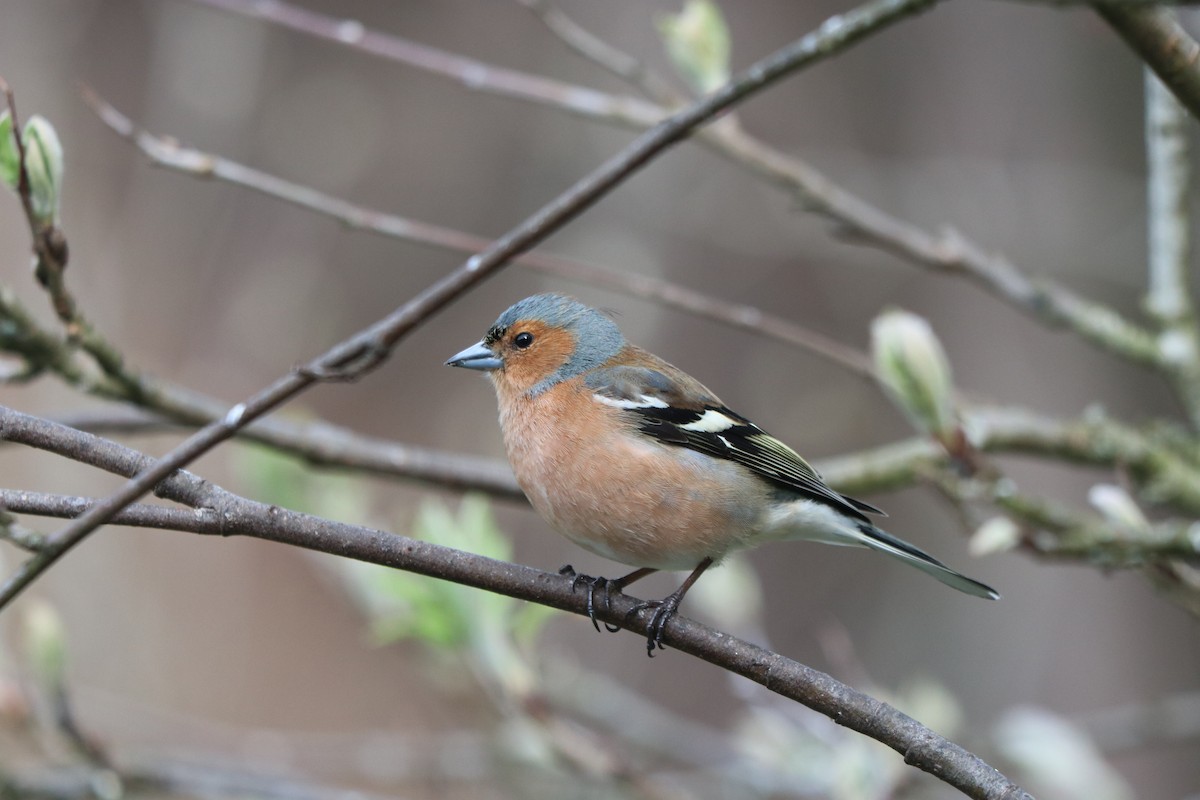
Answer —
697 42
912 366
45 644
44 166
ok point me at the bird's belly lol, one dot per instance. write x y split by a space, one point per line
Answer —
621 499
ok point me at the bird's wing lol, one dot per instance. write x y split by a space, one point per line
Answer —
667 405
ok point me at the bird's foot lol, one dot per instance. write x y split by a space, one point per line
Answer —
663 611
593 584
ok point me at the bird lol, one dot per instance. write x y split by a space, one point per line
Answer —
634 460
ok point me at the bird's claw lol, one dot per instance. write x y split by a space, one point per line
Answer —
663 611
592 585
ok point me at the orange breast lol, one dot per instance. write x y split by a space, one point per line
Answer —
622 495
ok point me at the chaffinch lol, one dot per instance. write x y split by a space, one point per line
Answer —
635 460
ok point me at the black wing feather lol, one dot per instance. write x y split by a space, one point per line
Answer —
663 410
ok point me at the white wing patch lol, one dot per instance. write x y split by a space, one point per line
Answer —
642 401
711 421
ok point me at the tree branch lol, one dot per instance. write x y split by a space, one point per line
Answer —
227 514
476 75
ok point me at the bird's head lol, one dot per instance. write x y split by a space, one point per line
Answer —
541 341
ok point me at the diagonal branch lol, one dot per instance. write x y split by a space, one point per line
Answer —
231 515
477 75
368 348
1156 35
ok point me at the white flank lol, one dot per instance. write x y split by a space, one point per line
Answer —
812 521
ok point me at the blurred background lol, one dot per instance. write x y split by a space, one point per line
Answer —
1019 124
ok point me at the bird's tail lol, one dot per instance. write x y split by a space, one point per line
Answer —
881 540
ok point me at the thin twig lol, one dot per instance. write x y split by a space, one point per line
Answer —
473 74
135 515
600 52
166 152
920 746
368 348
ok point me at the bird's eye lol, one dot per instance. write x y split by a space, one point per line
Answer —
523 339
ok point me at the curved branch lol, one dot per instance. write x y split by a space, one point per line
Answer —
226 514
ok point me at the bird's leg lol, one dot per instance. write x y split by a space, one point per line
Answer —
665 609
602 583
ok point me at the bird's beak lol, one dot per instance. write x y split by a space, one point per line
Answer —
477 356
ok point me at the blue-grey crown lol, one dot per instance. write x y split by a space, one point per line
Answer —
597 338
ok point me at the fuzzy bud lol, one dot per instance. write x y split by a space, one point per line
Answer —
697 41
912 366
44 165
